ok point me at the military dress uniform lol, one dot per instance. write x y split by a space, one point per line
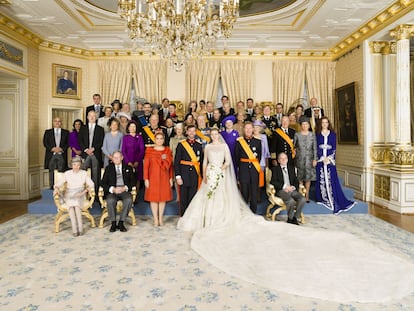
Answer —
148 140
247 174
186 169
279 144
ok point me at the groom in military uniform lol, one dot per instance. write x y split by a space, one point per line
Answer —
248 152
188 167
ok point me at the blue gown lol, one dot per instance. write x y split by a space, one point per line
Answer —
231 139
328 188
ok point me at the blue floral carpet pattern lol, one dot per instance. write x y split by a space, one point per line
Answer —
151 268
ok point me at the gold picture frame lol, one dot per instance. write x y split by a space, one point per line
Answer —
66 81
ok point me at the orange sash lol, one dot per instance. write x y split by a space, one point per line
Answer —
149 133
288 140
194 162
202 136
252 159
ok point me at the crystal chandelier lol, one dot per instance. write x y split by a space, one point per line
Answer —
179 29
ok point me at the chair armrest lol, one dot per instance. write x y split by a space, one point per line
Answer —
91 197
302 189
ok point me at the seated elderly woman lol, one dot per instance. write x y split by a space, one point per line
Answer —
74 196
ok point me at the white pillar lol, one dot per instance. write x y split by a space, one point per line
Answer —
389 96
403 150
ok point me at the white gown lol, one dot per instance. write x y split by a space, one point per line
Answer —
317 263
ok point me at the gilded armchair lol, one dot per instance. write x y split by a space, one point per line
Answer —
119 206
276 204
62 208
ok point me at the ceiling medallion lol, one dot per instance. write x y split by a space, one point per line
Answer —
179 30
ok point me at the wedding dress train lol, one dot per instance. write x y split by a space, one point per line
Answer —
317 263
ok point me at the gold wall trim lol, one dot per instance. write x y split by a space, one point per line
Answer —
379 22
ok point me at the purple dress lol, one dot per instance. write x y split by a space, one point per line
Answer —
133 150
328 188
231 139
73 142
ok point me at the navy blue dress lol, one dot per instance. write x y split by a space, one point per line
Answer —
328 188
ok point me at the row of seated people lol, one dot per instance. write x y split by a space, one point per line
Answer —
119 179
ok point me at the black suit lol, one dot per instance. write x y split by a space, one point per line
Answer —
92 107
188 173
94 161
209 118
148 140
247 174
292 199
278 145
109 180
161 116
55 161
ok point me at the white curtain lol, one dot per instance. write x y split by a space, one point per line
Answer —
202 79
150 79
114 80
320 77
238 79
288 82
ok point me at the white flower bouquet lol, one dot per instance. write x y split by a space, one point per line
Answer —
214 177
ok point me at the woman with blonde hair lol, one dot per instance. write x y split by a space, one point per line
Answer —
158 177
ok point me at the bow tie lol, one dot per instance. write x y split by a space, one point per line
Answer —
191 141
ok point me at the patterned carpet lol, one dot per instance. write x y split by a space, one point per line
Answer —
151 268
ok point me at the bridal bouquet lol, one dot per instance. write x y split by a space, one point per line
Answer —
214 177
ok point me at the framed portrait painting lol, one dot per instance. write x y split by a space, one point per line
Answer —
346 114
66 81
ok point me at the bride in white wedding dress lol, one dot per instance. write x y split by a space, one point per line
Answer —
317 263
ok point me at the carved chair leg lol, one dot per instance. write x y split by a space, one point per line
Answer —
268 213
90 217
57 221
103 217
132 215
61 219
276 212
302 218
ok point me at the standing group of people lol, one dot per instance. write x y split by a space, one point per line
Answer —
158 151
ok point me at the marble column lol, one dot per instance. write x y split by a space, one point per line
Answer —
382 101
403 150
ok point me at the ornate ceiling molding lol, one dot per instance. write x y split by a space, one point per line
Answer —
379 22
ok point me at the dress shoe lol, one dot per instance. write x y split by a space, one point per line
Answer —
290 221
295 221
113 227
121 226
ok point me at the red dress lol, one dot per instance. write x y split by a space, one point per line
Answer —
158 170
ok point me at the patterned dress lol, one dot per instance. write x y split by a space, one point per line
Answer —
305 154
328 188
